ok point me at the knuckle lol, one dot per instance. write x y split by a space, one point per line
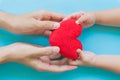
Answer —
45 25
50 24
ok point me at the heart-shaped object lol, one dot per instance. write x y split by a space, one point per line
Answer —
65 38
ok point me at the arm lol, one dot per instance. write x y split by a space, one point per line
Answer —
4 19
109 62
108 17
39 22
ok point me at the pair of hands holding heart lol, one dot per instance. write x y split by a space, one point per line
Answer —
38 57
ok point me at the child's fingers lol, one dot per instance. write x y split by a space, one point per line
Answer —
85 58
81 55
78 61
82 19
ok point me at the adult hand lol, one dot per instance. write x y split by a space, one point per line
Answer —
34 56
39 22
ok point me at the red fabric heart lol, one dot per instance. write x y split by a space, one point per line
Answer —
65 38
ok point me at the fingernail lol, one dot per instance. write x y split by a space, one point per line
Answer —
64 19
78 49
56 49
56 25
77 22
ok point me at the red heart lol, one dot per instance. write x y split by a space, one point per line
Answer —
65 37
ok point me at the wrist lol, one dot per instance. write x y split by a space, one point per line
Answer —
4 55
5 19
96 60
92 18
96 17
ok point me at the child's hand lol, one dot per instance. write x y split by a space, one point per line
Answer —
86 19
86 58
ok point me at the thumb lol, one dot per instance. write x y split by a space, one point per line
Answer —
48 25
81 55
45 51
79 60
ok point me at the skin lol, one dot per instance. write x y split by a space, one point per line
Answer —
37 57
39 22
87 19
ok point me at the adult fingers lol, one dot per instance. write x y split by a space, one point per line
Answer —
49 15
54 68
45 51
41 66
46 25
55 16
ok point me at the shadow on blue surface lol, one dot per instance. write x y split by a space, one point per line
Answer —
14 71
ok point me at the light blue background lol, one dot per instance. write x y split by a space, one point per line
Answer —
99 39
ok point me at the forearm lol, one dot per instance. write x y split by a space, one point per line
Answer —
5 19
109 62
108 17
3 55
